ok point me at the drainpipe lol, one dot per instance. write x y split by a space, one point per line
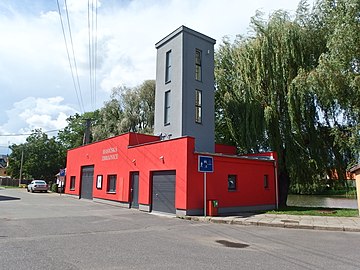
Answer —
276 184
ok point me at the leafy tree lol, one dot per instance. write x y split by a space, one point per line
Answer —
129 109
267 97
42 157
73 134
337 79
333 86
109 124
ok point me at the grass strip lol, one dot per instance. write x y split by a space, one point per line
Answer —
315 211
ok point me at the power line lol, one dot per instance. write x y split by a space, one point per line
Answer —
92 37
27 134
90 55
95 60
72 46
77 89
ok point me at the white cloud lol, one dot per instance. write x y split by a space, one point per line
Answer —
34 113
36 83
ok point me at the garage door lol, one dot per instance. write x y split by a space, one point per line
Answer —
87 181
163 195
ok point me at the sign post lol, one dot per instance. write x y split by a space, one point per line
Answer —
206 164
61 180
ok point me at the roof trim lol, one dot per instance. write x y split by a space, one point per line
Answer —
187 30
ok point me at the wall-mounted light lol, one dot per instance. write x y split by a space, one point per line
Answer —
134 161
162 158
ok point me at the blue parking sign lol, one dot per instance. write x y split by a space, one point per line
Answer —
62 172
206 164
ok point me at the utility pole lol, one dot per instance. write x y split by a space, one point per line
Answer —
87 132
21 166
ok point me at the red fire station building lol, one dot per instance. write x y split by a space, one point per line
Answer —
180 168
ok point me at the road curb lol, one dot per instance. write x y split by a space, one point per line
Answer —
273 223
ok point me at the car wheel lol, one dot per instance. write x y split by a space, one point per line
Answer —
32 191
28 190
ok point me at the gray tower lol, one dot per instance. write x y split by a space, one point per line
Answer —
184 97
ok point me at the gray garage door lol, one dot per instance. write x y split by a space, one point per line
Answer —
87 181
163 194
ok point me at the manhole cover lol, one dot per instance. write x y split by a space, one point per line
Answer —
231 244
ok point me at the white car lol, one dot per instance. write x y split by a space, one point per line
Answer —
38 185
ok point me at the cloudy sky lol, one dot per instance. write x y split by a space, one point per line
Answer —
36 84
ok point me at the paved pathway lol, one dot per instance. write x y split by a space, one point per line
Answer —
349 224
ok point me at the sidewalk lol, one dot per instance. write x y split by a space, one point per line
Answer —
348 224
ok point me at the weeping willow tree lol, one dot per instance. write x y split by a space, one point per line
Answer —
270 95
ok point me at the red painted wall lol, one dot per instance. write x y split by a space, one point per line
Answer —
115 156
138 139
250 182
121 155
225 149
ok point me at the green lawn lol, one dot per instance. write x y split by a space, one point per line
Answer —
315 211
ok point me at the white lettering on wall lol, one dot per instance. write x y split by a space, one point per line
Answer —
109 154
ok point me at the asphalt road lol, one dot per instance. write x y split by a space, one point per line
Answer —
49 231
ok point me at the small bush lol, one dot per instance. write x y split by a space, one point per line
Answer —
54 187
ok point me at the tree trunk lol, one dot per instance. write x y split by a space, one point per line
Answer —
283 187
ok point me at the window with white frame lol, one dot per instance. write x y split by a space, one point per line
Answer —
167 108
168 67
111 183
198 106
198 65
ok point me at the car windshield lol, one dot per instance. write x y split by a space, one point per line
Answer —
40 182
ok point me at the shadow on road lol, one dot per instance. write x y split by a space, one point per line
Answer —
8 198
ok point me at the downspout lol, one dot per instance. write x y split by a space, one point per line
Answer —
276 182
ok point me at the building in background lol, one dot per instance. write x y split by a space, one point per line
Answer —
4 163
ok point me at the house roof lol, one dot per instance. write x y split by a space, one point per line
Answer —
355 169
3 161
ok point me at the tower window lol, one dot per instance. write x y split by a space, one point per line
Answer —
167 108
198 106
168 67
198 65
